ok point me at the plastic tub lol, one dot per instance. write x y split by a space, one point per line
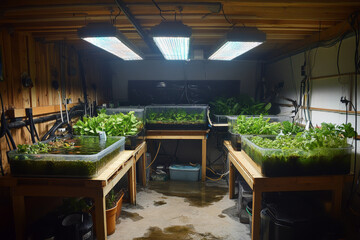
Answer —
138 111
298 162
176 117
76 163
184 173
235 138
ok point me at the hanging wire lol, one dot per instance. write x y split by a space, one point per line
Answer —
223 12
117 15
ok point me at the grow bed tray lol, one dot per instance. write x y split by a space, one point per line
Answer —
176 117
132 142
85 159
298 162
235 138
138 111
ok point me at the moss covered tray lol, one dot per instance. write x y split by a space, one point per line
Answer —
79 156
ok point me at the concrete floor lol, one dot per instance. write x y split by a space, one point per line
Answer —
181 211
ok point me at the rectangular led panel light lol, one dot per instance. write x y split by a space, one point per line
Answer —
233 49
173 48
115 46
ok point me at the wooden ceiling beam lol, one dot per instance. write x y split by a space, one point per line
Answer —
326 35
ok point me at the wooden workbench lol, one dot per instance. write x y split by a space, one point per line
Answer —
183 134
95 188
251 172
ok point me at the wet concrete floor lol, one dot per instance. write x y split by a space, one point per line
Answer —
181 210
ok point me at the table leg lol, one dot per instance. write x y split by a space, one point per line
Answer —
19 216
100 217
203 160
144 169
256 208
132 185
231 180
336 200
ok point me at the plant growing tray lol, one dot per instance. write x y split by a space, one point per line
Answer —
132 142
235 138
138 111
298 162
86 160
163 117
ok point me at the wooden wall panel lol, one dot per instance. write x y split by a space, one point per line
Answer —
45 62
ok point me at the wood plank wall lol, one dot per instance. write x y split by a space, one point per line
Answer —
45 62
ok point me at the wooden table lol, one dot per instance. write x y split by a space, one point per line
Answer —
251 172
95 188
184 134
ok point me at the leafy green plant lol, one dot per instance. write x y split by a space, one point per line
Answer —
327 136
242 105
175 116
113 125
112 198
321 150
41 147
262 126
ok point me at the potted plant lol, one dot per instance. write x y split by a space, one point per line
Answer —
113 209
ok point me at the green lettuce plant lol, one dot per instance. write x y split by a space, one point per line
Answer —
113 125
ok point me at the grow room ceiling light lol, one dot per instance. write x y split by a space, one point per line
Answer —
238 41
173 39
107 37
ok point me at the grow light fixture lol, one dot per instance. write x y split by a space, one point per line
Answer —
238 41
107 37
173 39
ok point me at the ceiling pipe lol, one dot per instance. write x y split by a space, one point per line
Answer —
144 35
215 6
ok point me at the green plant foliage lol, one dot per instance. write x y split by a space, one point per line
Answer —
262 126
41 147
327 136
175 116
113 125
242 105
321 150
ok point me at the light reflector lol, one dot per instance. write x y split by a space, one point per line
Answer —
173 48
237 42
232 49
115 46
173 39
107 37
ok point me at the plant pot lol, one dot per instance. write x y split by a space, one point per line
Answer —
119 205
111 220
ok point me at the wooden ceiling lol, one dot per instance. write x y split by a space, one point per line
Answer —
289 24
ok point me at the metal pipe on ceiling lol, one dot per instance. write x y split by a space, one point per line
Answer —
144 35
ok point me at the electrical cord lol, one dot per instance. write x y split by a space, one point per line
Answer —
157 152
354 22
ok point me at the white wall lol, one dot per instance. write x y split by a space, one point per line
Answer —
122 72
326 91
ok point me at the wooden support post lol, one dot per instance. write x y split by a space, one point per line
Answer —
19 216
256 209
132 184
100 217
143 170
231 180
336 200
203 160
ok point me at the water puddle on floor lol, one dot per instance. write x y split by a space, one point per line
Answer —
159 203
175 233
198 194
133 216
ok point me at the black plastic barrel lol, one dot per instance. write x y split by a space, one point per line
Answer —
77 226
